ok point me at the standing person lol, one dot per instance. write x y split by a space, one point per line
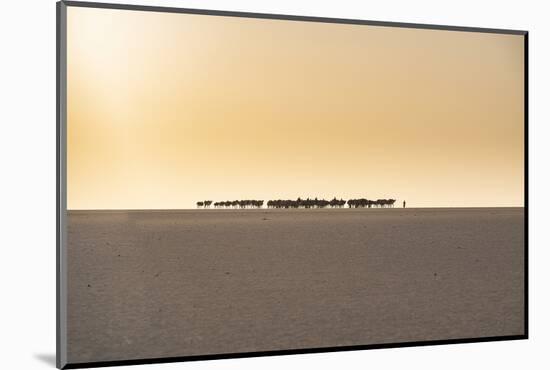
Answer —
404 204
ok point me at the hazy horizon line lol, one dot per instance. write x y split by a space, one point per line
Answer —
276 209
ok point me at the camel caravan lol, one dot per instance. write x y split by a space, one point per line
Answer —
239 204
300 203
366 203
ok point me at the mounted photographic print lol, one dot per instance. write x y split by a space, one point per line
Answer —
236 184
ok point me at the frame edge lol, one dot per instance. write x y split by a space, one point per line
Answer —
61 158
228 13
526 182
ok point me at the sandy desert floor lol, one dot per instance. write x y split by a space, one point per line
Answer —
148 284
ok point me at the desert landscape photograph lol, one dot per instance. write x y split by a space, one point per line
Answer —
240 185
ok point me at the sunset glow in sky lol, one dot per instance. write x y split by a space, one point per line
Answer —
167 109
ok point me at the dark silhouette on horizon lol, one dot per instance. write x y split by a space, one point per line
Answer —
366 203
204 204
301 203
249 203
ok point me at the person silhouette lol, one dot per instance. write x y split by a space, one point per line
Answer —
404 204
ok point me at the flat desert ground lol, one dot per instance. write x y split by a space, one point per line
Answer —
149 284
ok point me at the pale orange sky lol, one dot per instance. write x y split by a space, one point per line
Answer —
167 109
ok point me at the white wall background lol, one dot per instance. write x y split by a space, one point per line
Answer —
27 197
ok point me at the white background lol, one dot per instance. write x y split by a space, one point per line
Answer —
27 155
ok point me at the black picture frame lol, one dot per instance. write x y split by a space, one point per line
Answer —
61 164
